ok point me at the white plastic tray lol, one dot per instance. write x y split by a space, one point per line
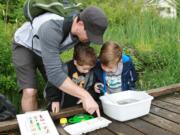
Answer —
87 126
126 105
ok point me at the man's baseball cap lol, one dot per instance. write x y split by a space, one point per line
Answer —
95 22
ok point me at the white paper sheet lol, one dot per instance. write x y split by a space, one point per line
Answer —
36 123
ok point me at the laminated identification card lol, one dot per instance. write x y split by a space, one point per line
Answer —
36 123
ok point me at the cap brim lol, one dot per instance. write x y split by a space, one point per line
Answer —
97 39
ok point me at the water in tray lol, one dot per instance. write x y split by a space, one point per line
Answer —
126 101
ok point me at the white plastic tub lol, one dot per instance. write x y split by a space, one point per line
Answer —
126 105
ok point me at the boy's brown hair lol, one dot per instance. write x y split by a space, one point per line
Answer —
110 53
84 55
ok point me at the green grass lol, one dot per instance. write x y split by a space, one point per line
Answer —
156 46
152 42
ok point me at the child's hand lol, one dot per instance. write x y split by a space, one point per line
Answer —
55 107
96 87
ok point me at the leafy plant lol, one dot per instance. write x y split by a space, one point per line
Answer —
151 41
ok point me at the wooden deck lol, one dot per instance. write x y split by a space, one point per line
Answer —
163 119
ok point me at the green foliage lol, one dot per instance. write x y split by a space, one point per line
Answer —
178 7
8 84
11 11
151 41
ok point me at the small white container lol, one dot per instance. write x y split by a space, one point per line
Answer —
126 105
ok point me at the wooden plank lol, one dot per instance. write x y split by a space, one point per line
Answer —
8 125
123 129
103 131
171 100
10 133
165 114
176 95
164 90
13 124
163 123
167 106
68 112
148 128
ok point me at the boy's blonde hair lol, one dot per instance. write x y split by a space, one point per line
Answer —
84 55
110 53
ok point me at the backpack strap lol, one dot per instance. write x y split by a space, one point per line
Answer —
67 24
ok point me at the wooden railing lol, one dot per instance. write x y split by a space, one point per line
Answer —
164 90
13 124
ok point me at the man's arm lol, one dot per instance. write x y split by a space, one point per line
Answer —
50 35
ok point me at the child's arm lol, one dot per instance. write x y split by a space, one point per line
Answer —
55 107
53 96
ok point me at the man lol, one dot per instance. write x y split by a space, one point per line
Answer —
39 44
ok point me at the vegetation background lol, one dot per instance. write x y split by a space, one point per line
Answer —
153 43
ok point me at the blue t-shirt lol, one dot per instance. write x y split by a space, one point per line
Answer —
113 80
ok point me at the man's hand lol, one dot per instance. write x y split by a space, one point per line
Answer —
90 105
55 107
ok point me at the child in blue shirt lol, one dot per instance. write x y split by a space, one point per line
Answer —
114 72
